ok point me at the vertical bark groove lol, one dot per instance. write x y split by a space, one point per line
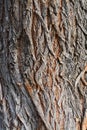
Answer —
43 54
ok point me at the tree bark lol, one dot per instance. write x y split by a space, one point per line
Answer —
43 65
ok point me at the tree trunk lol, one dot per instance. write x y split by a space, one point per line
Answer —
43 65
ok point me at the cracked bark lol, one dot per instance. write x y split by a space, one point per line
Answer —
43 65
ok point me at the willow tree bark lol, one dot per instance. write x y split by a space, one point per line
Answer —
43 65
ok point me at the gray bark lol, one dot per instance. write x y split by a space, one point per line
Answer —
43 65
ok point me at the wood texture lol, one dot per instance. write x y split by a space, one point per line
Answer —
43 65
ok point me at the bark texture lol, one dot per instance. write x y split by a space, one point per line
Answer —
43 65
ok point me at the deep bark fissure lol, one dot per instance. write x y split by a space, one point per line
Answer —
43 80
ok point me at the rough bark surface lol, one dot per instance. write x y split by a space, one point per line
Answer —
43 65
